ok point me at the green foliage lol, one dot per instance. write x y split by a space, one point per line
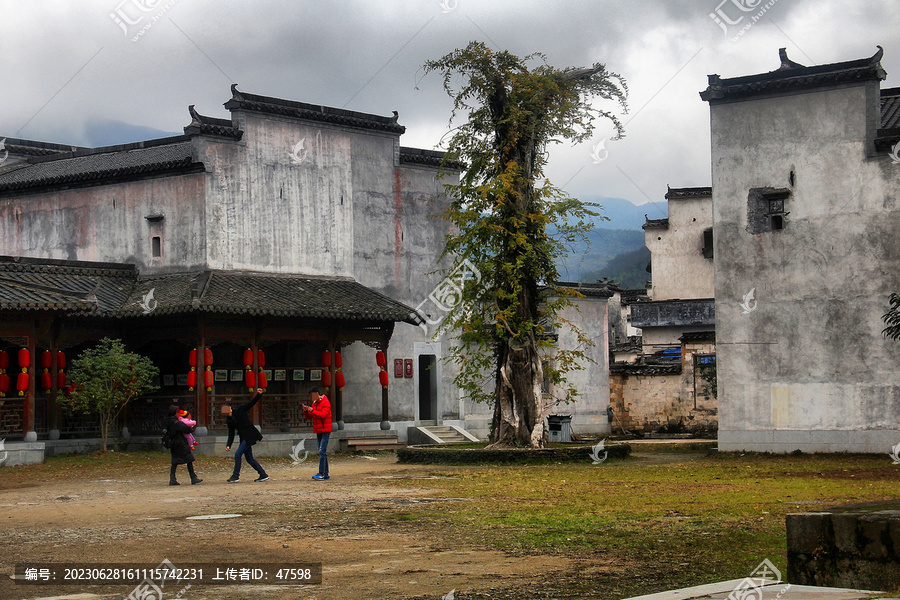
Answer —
105 379
501 208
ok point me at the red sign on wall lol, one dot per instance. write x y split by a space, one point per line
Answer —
398 368
407 367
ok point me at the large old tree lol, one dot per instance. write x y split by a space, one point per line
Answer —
500 212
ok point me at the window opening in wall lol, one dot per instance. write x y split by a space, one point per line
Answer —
155 246
766 209
707 243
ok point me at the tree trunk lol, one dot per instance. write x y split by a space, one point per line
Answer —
104 431
518 419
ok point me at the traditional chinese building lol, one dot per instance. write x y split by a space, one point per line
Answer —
292 229
805 184
664 380
276 239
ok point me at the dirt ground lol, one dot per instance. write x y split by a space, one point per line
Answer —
351 525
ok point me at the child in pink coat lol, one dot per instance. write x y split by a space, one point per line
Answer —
185 417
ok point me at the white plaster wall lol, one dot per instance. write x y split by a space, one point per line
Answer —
679 269
806 368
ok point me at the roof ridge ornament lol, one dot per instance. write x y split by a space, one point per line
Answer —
196 118
876 58
787 63
235 93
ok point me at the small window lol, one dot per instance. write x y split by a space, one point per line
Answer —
155 246
766 209
707 243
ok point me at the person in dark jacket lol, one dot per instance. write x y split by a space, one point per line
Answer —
320 413
180 449
239 420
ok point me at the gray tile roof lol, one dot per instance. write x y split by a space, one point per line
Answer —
101 164
117 291
792 76
71 286
688 192
655 223
242 293
312 112
890 108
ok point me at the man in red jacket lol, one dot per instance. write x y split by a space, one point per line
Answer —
320 413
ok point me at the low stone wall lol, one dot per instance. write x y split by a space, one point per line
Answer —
273 444
851 546
448 455
21 453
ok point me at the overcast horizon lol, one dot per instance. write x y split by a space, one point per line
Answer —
71 70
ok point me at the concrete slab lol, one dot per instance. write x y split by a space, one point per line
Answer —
776 590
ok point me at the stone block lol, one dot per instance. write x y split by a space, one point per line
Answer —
872 532
845 536
808 533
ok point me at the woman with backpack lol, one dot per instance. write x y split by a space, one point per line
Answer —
179 447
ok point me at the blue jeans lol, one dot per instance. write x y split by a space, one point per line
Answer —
322 439
246 450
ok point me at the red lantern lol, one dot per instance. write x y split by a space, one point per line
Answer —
4 384
192 358
261 380
209 380
22 383
339 380
192 380
207 358
24 358
380 360
60 380
383 378
250 380
261 359
4 360
46 380
338 361
60 360
326 379
248 358
46 359
326 359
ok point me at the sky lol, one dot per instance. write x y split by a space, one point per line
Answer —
73 69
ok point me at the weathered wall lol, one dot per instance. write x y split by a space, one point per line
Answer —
679 268
107 223
806 367
272 209
645 401
588 412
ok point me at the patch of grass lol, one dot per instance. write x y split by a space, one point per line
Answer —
700 520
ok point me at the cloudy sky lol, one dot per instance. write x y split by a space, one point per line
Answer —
70 69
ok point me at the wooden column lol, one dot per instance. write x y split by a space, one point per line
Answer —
28 405
256 412
201 398
385 340
53 401
337 414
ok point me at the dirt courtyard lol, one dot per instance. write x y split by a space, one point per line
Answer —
354 524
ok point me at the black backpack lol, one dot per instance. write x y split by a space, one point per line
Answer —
166 439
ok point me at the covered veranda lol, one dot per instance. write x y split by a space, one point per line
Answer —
288 323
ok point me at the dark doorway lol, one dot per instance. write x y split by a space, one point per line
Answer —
427 387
